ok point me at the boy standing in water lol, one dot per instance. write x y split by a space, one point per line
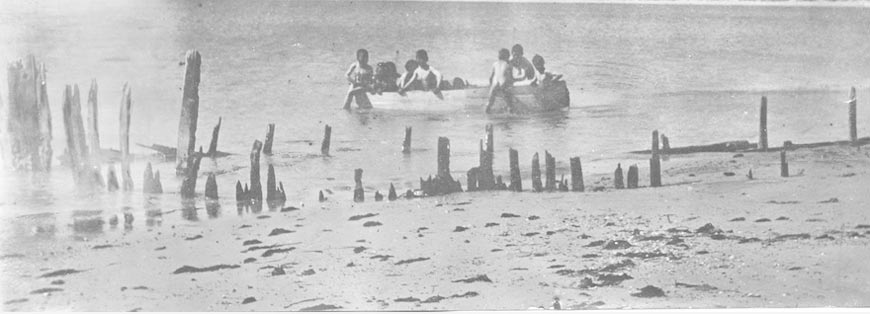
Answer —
501 80
360 77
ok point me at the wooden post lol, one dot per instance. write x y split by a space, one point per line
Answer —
358 194
378 196
270 136
443 157
77 150
655 142
320 197
93 129
327 138
617 177
516 181
256 192
148 180
240 193
29 119
189 112
853 116
486 178
406 145
632 177
550 171
188 183
212 147
499 184
443 182
762 124
536 174
655 163
783 164
577 175
124 123
211 187
112 179
392 194
273 193
473 177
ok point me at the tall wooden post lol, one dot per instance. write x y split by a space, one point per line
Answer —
444 157
549 172
577 175
853 116
124 123
536 174
212 146
77 150
270 136
516 180
256 191
29 119
189 112
92 120
655 164
327 138
188 183
406 145
762 124
358 193
783 163
617 177
632 177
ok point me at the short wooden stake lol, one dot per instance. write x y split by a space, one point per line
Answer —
124 123
499 184
240 193
211 187
536 174
358 193
378 196
617 177
92 121
516 181
550 172
666 144
256 191
158 187
327 138
320 197
272 192
783 163
577 175
392 194
112 179
853 116
270 136
189 112
472 179
406 145
212 146
632 177
762 124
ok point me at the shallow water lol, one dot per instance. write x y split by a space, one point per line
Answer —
695 73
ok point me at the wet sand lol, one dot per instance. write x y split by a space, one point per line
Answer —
706 239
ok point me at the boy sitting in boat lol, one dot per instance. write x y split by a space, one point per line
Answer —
523 71
406 81
501 80
542 77
426 75
386 77
359 75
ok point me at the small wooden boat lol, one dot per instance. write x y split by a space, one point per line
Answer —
526 99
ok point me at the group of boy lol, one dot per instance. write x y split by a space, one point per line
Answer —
513 69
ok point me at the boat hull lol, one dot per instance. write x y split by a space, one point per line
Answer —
526 99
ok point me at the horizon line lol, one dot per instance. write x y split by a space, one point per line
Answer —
776 3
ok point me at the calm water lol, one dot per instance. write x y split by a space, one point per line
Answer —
695 73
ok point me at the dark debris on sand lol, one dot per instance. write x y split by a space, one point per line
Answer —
249 300
509 215
413 260
490 224
251 242
271 252
649 292
320 307
358 217
482 278
278 231
617 245
703 287
372 224
460 229
191 269
62 272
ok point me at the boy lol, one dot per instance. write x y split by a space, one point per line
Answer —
360 77
406 81
541 75
425 74
501 80
523 72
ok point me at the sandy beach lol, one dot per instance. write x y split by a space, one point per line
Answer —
707 239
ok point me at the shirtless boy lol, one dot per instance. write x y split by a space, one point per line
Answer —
501 80
359 75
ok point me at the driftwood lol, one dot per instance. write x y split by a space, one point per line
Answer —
212 146
189 112
124 123
724 147
28 124
443 182
783 163
516 181
256 191
655 163
270 136
320 197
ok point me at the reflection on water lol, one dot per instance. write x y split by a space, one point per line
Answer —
213 208
188 210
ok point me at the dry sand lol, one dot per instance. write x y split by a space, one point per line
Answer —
499 250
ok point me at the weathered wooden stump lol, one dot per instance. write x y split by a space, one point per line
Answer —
486 179
406 145
853 116
632 177
270 136
151 181
158 187
617 177
77 150
536 174
189 112
516 181
212 146
124 123
358 193
321 197
92 120
499 184
577 175
783 163
29 118
391 196
550 171
327 138
655 163
211 187
256 191
762 124
443 182
378 196
472 179
272 193
112 179
188 183
240 193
